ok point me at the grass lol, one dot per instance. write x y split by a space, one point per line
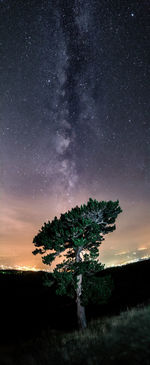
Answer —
123 339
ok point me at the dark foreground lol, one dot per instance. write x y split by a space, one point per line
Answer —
117 340
39 328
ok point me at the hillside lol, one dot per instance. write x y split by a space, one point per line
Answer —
28 306
119 339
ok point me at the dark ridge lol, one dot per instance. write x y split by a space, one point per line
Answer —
27 306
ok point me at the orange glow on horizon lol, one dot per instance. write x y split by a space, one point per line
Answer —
21 220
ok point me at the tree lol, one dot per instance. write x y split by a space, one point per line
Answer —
77 235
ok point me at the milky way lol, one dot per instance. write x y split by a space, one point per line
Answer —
74 110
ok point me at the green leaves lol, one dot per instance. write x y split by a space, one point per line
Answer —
97 290
82 226
36 251
65 283
78 234
48 258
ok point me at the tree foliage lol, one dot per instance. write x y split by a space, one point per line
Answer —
75 238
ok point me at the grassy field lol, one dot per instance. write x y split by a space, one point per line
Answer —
122 339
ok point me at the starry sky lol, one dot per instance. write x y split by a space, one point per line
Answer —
74 120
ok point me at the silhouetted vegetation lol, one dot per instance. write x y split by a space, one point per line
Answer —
44 325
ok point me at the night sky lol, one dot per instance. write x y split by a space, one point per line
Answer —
74 120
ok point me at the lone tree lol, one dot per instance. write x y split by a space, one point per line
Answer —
77 235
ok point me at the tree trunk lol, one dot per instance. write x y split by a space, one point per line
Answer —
80 309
